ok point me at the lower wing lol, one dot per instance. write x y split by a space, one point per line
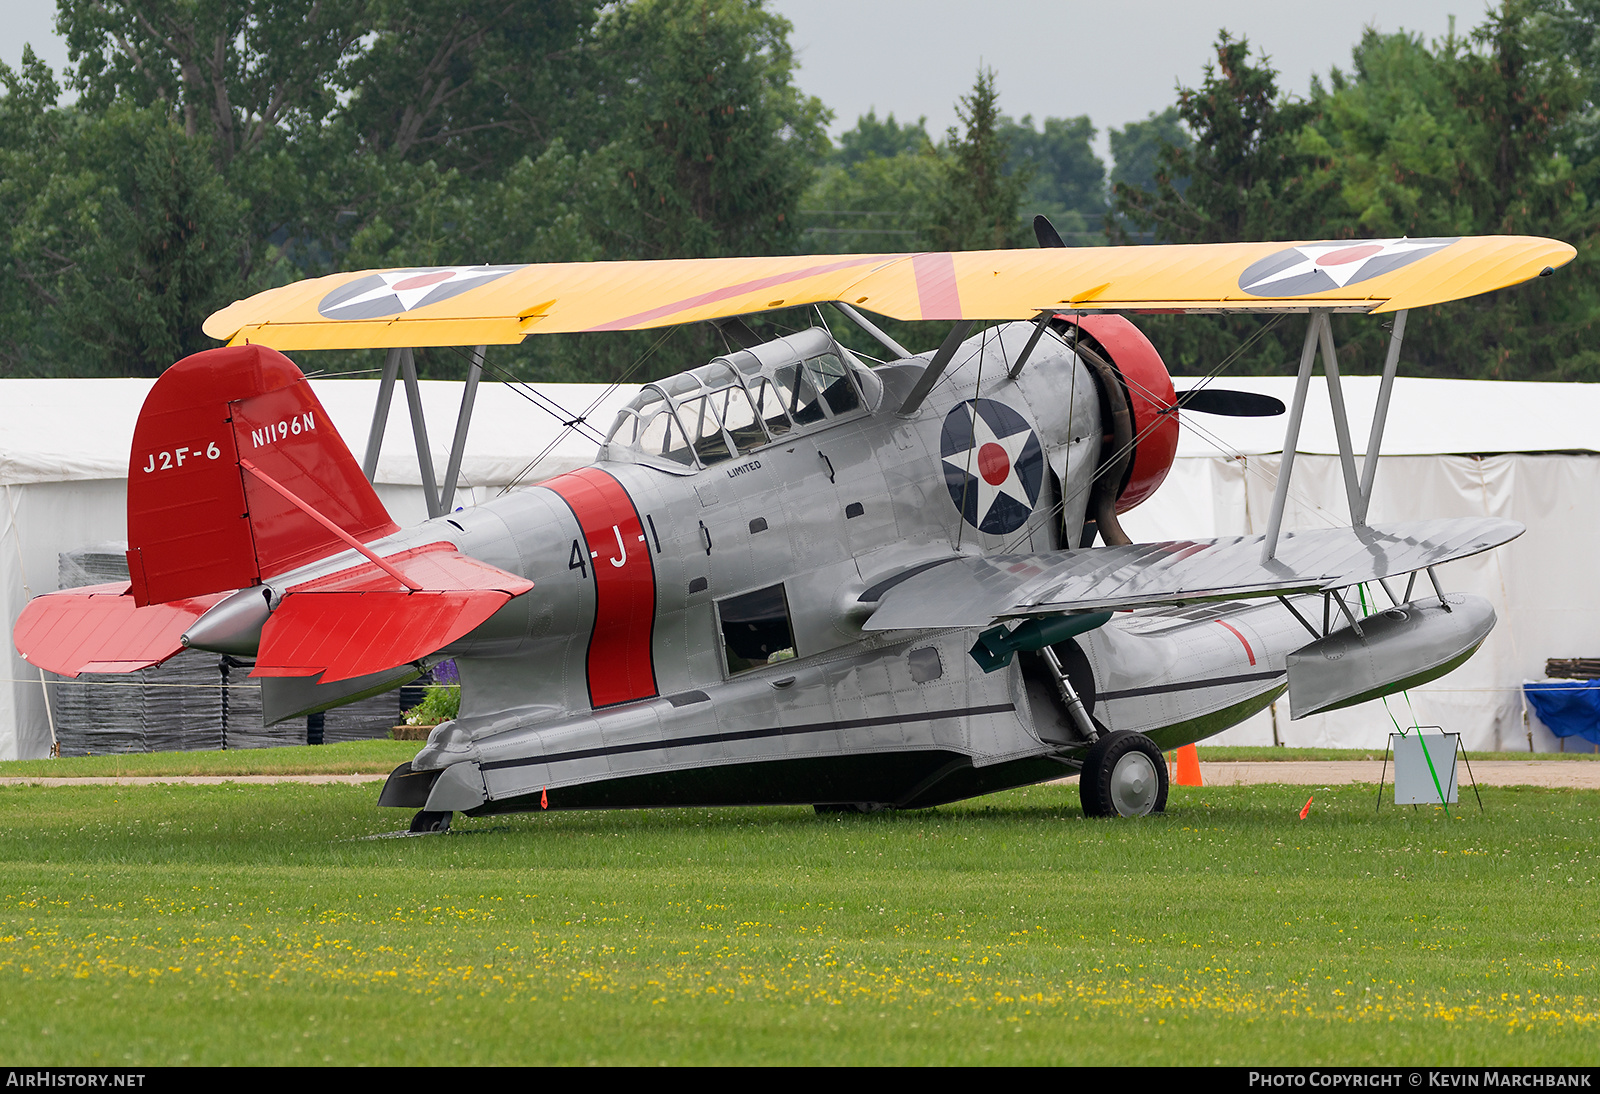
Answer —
968 591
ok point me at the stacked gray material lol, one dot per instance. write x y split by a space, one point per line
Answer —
99 564
172 707
97 713
180 705
243 722
361 721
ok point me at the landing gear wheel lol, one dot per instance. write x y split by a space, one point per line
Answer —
1124 775
849 807
436 821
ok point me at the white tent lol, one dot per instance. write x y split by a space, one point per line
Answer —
1452 448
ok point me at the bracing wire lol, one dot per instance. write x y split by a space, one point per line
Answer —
321 375
537 398
611 388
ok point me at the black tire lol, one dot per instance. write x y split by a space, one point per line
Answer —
436 821
849 807
1117 774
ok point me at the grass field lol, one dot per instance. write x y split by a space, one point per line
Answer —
376 757
251 924
382 756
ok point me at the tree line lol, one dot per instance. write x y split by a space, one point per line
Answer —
215 148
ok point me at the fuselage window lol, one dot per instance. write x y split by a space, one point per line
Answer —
833 379
756 629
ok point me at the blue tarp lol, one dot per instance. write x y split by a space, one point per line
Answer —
1570 708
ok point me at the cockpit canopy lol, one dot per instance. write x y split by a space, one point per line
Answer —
743 401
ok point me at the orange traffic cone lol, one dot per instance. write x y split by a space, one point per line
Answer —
1188 767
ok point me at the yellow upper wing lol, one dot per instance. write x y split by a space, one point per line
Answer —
497 305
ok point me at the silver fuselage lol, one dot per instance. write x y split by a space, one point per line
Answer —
614 682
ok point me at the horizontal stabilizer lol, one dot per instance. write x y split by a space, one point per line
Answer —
99 628
361 621
974 591
342 635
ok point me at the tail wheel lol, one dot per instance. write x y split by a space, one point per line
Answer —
1124 775
437 821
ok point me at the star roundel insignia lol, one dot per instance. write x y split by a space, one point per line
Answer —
392 292
1318 267
993 465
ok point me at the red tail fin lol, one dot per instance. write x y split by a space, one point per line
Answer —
196 523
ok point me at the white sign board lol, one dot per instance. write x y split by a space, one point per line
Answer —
1414 777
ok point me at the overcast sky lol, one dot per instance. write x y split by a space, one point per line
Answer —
1113 62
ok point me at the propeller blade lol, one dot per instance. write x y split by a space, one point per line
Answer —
1231 404
1046 232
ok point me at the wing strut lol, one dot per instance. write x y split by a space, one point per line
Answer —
873 330
1039 326
458 444
1341 421
380 413
1369 467
419 432
1358 487
400 362
936 367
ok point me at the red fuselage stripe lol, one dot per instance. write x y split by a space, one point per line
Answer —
741 288
621 668
1243 641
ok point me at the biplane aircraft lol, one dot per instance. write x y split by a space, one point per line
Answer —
791 575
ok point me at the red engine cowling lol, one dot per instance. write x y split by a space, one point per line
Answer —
1151 400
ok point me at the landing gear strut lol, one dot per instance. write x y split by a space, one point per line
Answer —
438 821
1124 775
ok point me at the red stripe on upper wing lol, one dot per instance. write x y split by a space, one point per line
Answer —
731 291
621 666
937 294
